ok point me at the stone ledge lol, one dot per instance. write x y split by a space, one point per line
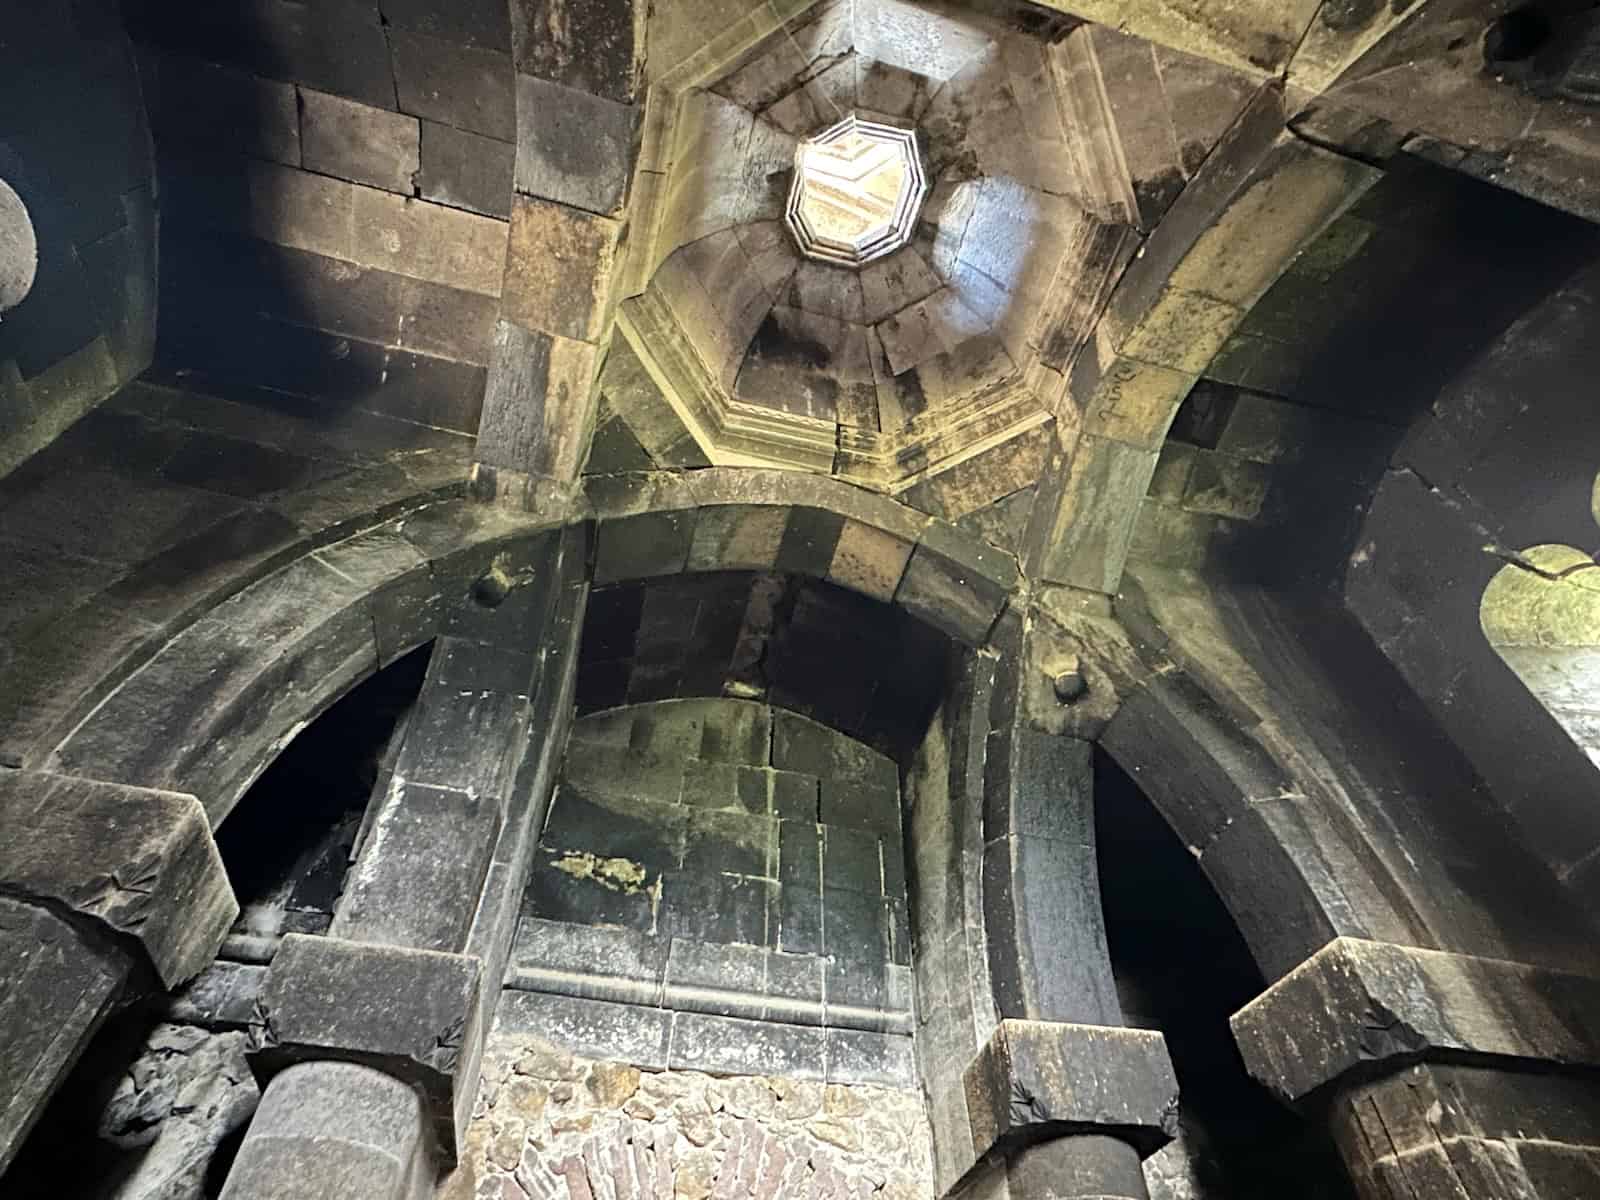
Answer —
1366 1007
1047 1078
141 863
412 1014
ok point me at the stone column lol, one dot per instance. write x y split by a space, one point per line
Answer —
406 979
1443 1075
107 889
334 1131
1061 1042
578 132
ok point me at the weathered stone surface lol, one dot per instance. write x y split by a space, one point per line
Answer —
466 170
332 1131
573 147
1037 1072
411 1013
355 142
595 46
1357 1003
956 583
57 985
467 87
140 863
185 1093
558 269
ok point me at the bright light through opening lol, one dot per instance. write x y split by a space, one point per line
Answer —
858 187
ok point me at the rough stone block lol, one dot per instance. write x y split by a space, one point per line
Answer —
409 1013
956 583
558 269
421 871
573 147
56 986
617 1032
466 170
462 86
428 241
1357 1003
1037 1073
587 961
592 45
332 1131
357 142
140 863
730 1046
643 546
537 402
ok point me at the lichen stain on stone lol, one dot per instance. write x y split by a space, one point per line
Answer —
618 874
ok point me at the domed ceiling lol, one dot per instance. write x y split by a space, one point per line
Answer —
885 372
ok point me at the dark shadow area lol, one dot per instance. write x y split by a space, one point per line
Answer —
850 662
291 835
1182 967
287 847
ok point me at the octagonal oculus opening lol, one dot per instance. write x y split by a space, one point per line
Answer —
858 187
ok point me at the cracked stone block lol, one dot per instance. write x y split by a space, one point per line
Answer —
56 985
1357 1002
410 1013
957 583
1034 1073
138 862
357 142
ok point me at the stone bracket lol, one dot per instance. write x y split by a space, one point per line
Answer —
1036 1079
139 863
1359 1008
412 1014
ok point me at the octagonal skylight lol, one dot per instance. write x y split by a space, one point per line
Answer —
858 187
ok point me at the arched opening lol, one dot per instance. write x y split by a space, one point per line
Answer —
1541 614
161 1096
1182 967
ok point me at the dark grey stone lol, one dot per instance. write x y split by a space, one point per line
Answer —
731 842
464 739
619 1032
804 745
139 863
861 805
574 147
1078 1165
850 860
563 888
643 546
57 986
332 1131
421 871
643 831
854 927
794 796
736 731
466 170
367 145
726 786
794 988
223 996
1038 784
410 1013
1034 1073
461 86
727 1045
593 962
956 582
483 23
799 919
726 980
716 908
800 854
862 1056
584 44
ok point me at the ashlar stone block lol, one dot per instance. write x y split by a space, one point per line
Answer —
574 148
558 269
412 1014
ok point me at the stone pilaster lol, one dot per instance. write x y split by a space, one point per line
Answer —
1442 1074
404 983
578 137
103 887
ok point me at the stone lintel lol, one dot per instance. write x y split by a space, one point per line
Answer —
1039 1079
137 862
412 1014
1359 1008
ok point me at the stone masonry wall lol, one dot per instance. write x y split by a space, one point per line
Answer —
553 1126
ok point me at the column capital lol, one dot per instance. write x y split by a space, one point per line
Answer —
412 1014
1044 1078
1357 1009
139 863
